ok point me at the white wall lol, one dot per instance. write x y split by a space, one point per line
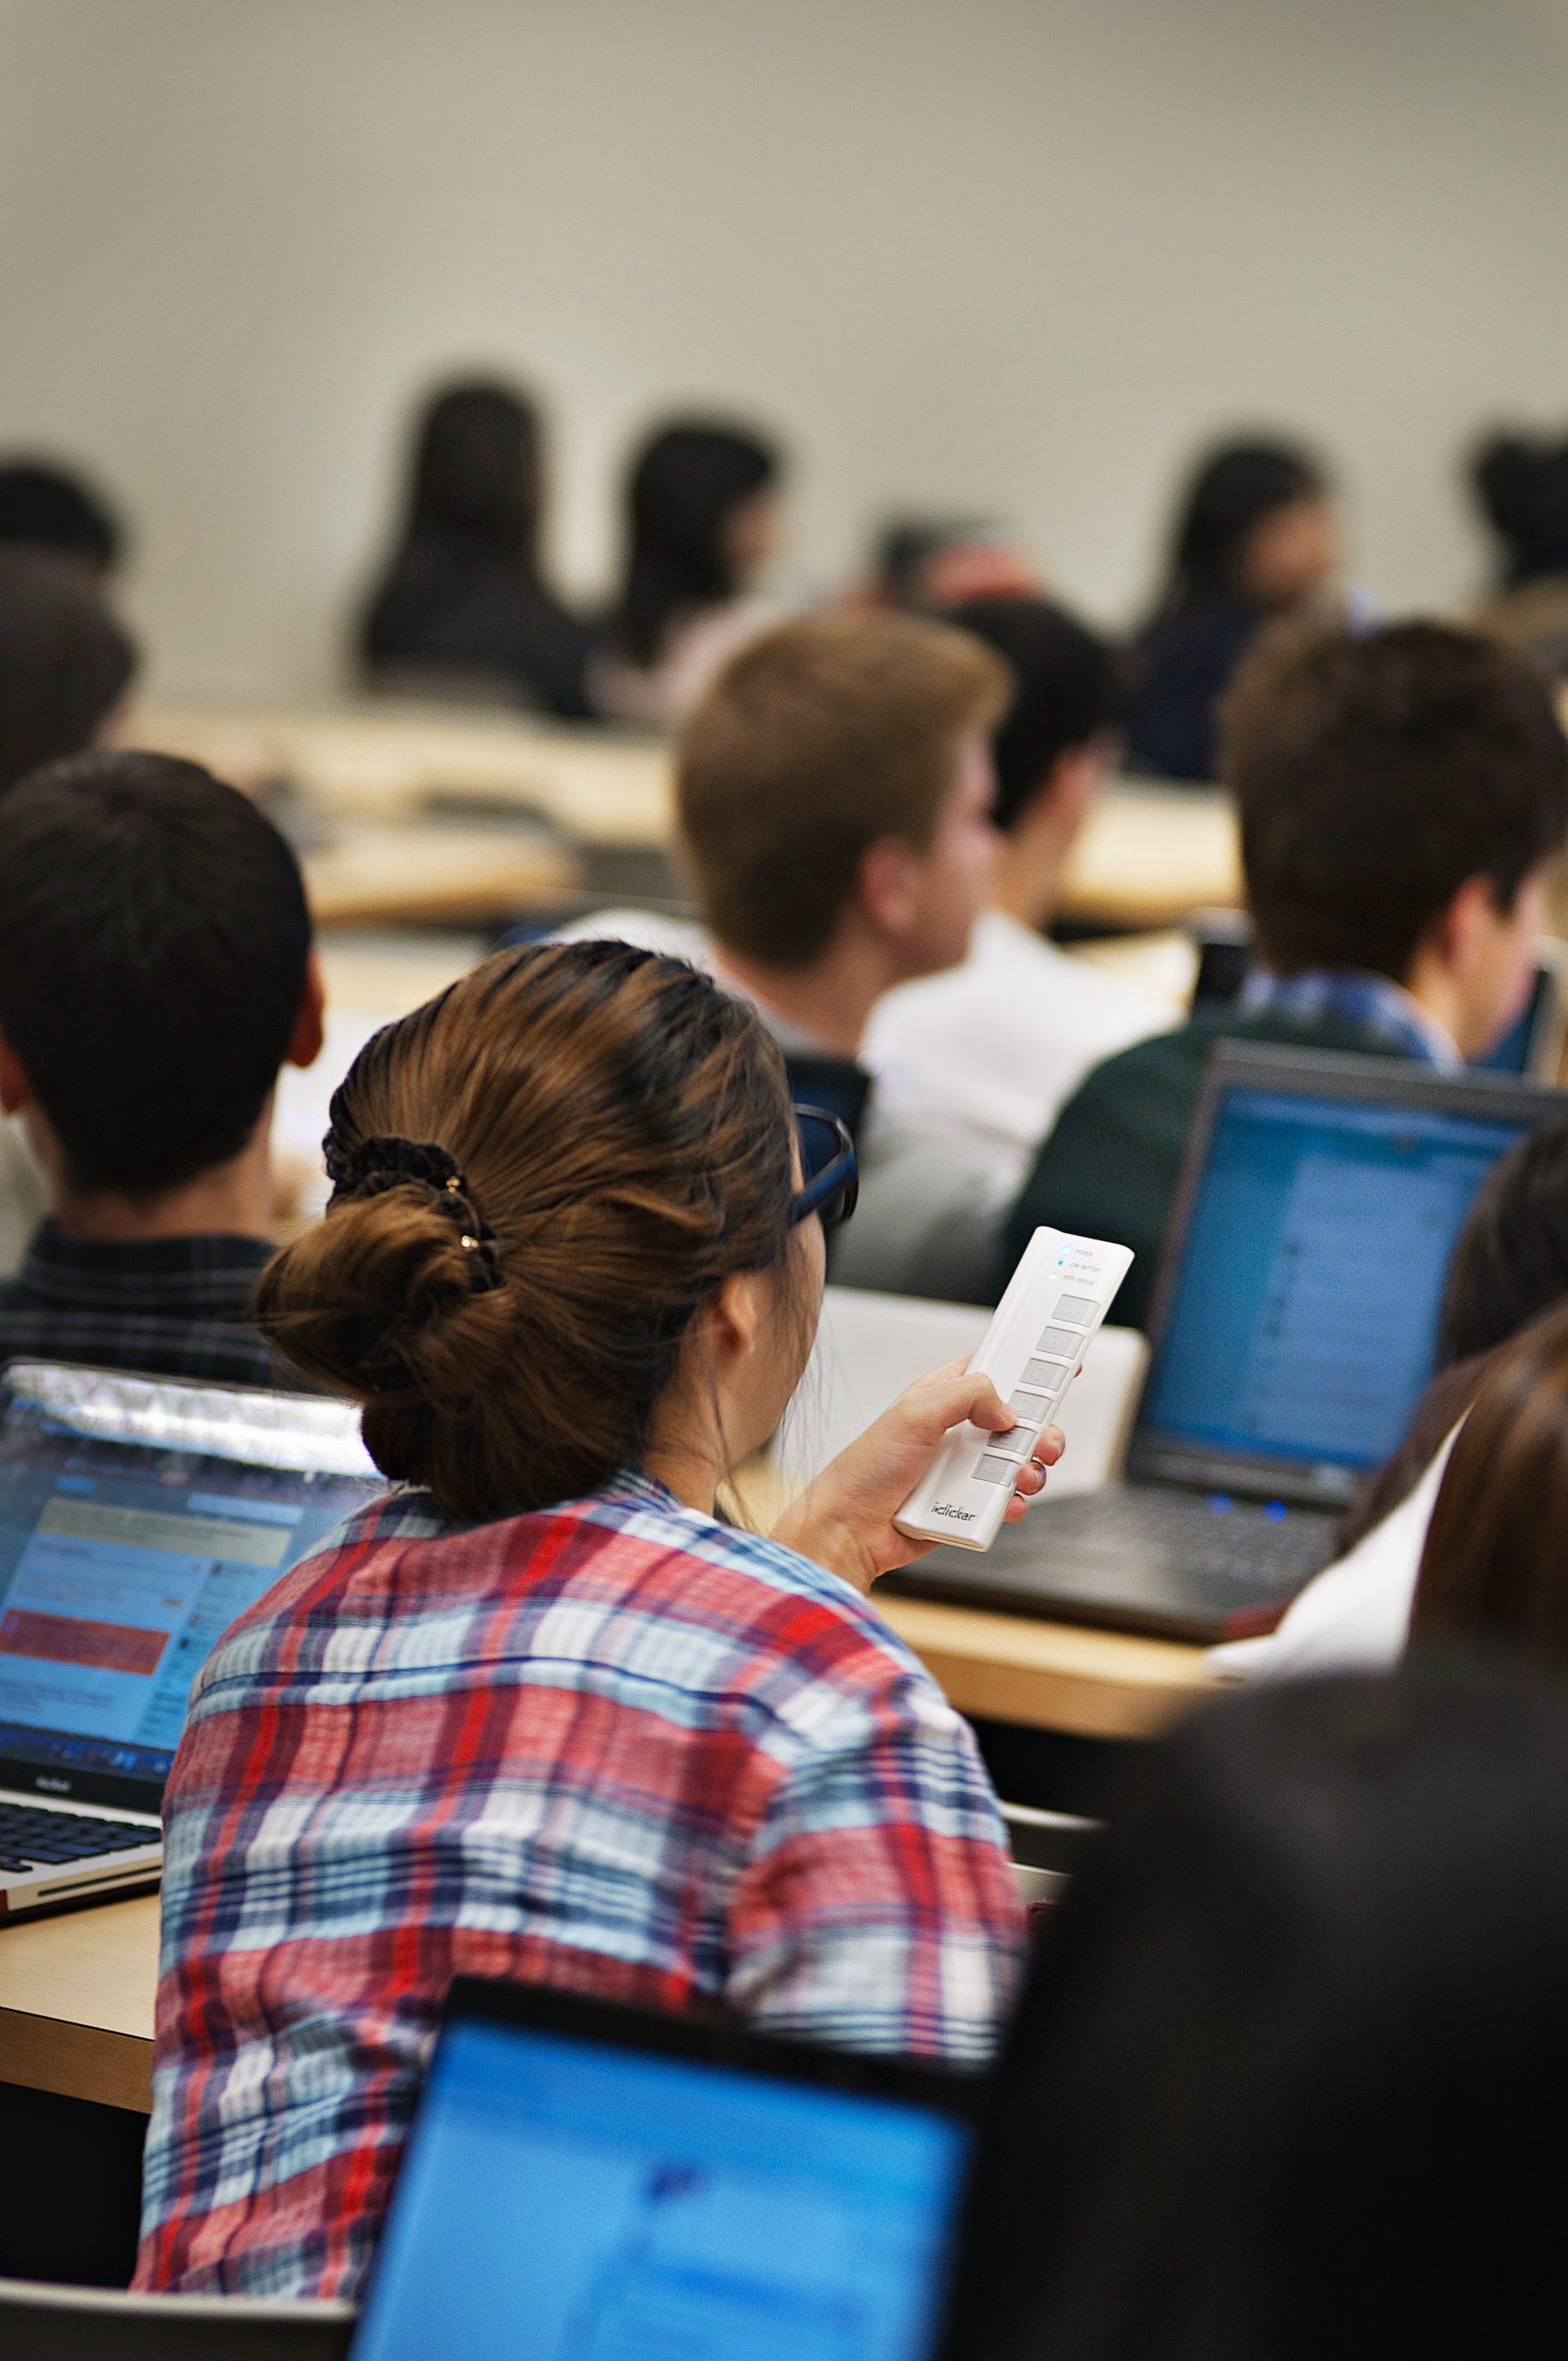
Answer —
1012 255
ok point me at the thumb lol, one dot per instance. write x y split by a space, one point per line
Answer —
948 1397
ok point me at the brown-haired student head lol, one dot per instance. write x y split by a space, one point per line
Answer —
1400 793
836 789
1495 1565
546 1715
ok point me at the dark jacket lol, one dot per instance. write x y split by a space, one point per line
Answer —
1111 1166
1184 663
446 607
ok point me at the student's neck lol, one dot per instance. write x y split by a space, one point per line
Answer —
233 1201
1028 883
831 999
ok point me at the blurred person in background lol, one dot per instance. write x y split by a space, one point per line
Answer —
996 1045
463 601
1290 2077
702 523
53 511
932 565
1258 535
67 668
1521 486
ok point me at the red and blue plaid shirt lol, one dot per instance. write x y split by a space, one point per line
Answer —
615 1745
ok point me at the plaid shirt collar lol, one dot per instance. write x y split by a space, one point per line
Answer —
1358 1000
209 1274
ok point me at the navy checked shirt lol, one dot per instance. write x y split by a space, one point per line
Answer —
170 1307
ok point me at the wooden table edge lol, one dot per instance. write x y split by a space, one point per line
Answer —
75 2062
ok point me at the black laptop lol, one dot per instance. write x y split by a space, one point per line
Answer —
1292 1334
585 2182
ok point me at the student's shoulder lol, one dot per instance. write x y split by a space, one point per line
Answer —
1172 1058
762 1583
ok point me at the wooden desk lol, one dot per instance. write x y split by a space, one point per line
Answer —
1050 1676
76 1996
377 873
1151 856
1148 856
386 758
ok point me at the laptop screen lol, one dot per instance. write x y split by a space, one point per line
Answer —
565 2197
128 1543
1300 1328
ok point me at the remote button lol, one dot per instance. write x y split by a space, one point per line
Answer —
1030 1408
1075 1307
1064 1342
996 1471
1015 1440
1050 1376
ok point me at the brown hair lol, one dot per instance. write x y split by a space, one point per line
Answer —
1495 1564
540 1176
1375 775
818 739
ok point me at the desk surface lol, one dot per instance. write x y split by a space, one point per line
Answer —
77 1992
385 758
76 1996
390 874
1148 858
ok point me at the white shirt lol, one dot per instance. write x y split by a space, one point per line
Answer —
1355 1616
995 1046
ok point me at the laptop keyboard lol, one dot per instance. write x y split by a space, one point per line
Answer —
41 1840
1210 1535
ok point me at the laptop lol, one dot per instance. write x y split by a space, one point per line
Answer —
1292 1334
590 2182
138 1517
1532 1045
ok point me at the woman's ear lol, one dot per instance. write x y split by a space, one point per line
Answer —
735 1318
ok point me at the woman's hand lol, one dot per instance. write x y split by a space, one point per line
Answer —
844 1520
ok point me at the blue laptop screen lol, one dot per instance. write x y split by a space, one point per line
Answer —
564 2198
120 1565
1305 1313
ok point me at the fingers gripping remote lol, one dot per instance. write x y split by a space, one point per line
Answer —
1056 1298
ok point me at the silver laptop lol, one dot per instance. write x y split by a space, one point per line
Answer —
1292 1335
138 1517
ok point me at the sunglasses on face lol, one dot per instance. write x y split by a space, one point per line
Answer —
831 1182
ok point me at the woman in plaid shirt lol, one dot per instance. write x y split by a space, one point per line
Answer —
539 1713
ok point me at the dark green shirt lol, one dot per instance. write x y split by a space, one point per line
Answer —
1110 1168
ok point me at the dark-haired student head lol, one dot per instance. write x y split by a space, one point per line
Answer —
1290 2077
702 521
50 509
463 598
477 469
1402 793
1056 744
1256 534
1255 523
67 665
155 973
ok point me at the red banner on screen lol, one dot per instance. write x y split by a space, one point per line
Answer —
72 1639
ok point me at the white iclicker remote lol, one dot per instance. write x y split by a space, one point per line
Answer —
1031 1352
